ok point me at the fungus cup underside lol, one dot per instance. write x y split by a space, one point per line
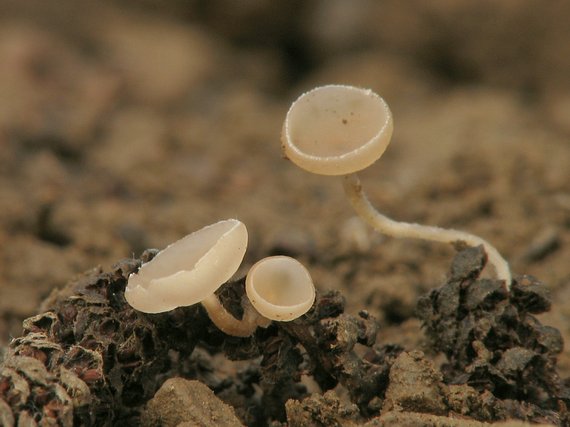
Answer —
190 269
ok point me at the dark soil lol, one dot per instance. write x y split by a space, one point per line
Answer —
126 125
93 360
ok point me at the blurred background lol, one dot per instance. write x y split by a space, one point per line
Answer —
126 125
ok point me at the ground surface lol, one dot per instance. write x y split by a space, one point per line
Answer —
127 127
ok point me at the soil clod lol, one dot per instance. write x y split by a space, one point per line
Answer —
492 341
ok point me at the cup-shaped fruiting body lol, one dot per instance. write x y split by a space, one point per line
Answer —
336 130
189 270
340 130
280 288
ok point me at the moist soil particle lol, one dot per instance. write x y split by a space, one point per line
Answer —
492 340
415 386
182 401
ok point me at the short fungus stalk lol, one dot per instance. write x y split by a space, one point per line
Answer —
190 270
340 130
280 288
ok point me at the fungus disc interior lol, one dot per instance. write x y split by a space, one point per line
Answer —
280 288
336 130
190 269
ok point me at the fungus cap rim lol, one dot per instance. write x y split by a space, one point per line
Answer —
204 274
358 158
271 310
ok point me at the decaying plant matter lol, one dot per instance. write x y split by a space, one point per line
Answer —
492 340
93 360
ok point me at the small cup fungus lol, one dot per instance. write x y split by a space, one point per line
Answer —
190 270
280 288
340 130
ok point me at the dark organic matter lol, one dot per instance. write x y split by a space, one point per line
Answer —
493 342
93 360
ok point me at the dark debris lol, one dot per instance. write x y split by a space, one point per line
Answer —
91 359
493 342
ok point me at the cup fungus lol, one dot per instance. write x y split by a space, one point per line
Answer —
280 288
340 130
189 271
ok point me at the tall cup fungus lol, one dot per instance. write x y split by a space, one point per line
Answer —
337 130
340 130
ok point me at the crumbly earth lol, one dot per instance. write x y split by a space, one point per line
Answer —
126 125
91 359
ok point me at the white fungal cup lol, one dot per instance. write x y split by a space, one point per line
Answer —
336 130
280 288
189 270
341 130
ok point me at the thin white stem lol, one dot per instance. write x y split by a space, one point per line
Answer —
228 324
383 224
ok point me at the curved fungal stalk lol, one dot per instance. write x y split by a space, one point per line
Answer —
383 224
340 130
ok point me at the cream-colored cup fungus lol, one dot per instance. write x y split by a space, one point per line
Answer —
340 130
280 288
336 130
189 271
